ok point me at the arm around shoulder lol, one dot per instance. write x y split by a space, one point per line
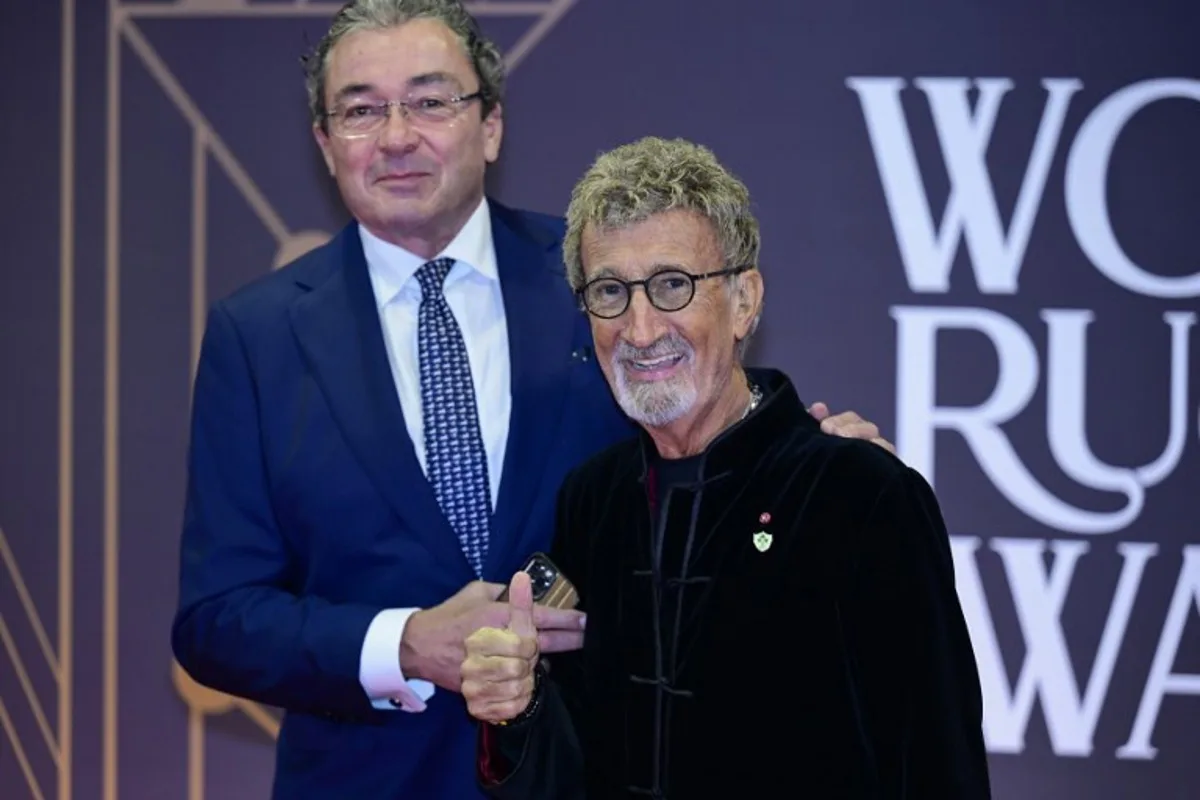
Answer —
917 651
240 627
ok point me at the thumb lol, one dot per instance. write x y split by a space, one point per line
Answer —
520 606
819 411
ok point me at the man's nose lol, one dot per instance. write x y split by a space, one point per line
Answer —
398 131
644 325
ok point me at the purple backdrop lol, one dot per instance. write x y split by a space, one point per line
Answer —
979 230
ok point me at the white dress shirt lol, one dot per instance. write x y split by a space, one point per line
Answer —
472 290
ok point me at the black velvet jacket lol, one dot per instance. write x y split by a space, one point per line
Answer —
798 635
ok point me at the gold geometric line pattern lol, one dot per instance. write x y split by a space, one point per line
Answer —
532 37
200 145
66 410
202 702
35 620
35 705
237 173
52 662
211 703
197 9
196 761
259 716
58 736
7 723
112 329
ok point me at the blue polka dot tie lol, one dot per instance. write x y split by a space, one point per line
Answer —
455 460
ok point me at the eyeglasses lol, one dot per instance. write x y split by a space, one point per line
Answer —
667 290
357 119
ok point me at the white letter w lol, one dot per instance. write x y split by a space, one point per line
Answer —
963 135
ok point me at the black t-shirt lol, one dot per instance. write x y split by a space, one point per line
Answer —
671 472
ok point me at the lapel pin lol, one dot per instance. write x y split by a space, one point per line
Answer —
762 539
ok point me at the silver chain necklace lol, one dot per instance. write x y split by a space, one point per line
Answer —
756 396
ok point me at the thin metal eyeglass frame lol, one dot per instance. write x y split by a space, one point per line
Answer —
404 107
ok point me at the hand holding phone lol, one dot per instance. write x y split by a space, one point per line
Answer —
550 587
498 674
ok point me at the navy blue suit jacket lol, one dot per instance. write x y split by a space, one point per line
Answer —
307 511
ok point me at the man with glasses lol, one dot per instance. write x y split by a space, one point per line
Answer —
380 428
771 610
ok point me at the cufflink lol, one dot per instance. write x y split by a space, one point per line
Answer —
414 706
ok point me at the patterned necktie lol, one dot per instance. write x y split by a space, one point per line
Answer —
456 462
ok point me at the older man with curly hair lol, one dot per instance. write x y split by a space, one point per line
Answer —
771 610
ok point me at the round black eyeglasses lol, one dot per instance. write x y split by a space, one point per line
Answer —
667 290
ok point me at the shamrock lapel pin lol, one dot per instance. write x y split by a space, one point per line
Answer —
762 539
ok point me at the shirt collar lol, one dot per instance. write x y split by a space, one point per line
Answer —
391 267
739 447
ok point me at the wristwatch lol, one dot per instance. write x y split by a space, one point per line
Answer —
535 701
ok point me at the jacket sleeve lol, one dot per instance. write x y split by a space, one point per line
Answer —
909 642
241 625
540 757
544 756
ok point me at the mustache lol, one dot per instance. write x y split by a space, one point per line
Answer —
671 344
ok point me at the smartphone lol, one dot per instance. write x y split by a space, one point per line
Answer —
550 586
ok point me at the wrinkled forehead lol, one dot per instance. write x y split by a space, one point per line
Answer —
418 55
668 240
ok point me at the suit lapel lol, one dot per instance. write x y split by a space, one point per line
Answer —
540 319
337 324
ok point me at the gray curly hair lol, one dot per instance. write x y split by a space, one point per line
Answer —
359 15
635 181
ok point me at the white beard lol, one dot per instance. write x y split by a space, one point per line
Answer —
654 403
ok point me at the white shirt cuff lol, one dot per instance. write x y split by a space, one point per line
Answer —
379 666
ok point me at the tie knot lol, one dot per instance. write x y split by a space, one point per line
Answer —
432 275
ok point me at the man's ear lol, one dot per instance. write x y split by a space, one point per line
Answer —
493 133
323 142
748 300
